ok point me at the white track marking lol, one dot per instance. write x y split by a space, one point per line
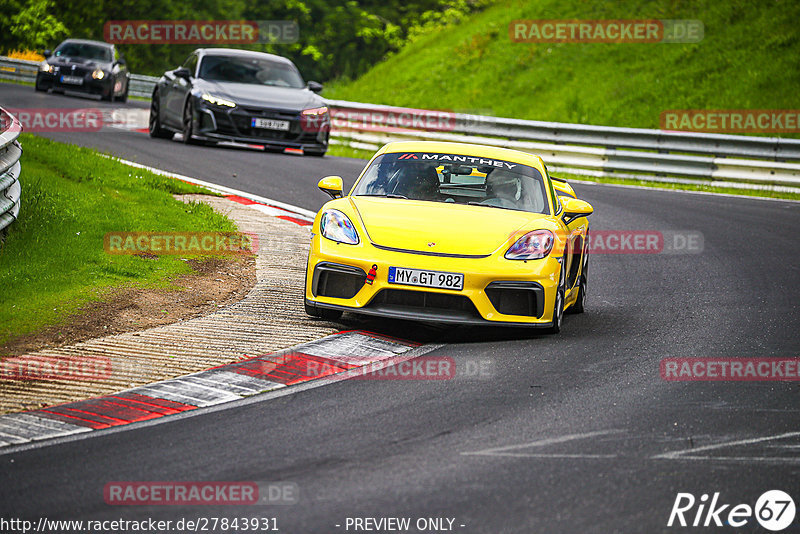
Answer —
690 454
503 451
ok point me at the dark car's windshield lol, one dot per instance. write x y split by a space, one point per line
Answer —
457 179
252 70
85 51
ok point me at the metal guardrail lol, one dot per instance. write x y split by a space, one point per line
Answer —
736 161
25 70
10 152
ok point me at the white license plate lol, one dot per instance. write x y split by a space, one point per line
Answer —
72 80
270 124
418 277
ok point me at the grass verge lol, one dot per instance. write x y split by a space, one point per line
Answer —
746 60
53 260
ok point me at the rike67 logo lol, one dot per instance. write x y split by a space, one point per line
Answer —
774 511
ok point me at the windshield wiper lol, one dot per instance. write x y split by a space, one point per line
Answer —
389 195
492 206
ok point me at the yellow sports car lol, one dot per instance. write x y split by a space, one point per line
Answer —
450 233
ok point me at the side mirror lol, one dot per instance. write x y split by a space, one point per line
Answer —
182 72
47 53
121 61
331 185
575 207
315 86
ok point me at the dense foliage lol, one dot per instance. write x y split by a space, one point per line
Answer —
337 39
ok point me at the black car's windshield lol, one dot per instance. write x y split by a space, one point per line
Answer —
85 51
457 179
249 69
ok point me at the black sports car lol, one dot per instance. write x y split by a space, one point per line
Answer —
224 94
90 67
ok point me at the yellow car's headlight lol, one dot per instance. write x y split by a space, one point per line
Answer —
335 226
532 246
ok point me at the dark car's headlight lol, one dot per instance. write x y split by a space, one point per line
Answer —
335 226
218 100
532 246
315 112
98 74
44 66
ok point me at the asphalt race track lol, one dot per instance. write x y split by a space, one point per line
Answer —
570 433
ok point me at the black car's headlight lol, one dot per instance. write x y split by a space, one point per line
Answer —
218 100
98 74
315 112
44 66
336 226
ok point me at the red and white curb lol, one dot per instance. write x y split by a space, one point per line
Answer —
265 205
325 358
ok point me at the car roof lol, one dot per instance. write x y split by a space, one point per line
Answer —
87 41
465 149
243 53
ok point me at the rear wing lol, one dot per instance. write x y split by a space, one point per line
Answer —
562 187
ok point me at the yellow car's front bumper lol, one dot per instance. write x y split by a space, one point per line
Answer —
524 290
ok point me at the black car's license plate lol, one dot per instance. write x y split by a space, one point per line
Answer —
269 124
72 80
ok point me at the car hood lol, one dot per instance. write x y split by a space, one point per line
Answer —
89 63
439 227
251 95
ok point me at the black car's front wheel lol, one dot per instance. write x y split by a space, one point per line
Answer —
188 123
154 123
124 96
38 85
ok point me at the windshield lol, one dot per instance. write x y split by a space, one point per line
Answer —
85 51
251 70
458 179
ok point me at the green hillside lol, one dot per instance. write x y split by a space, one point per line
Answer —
748 59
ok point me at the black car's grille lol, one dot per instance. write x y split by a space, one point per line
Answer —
242 119
67 70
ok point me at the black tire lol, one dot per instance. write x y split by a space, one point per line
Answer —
154 123
38 84
188 123
579 306
558 306
322 313
124 96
